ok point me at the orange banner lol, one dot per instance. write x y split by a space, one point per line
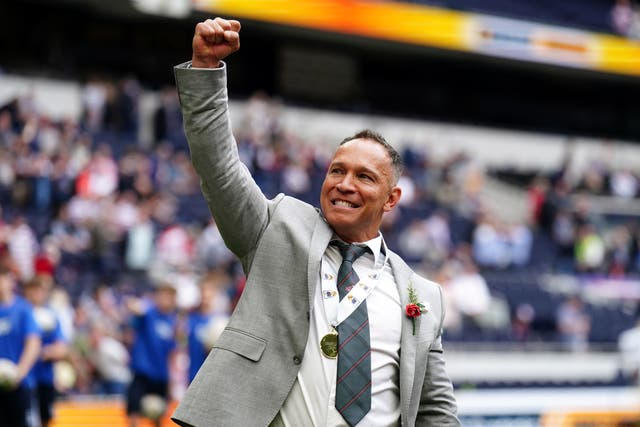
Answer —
441 28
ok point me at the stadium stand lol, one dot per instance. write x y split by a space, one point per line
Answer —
592 16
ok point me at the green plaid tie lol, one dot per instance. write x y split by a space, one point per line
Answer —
353 382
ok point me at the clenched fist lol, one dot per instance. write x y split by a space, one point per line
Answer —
214 40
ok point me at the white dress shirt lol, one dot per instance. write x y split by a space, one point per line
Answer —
312 399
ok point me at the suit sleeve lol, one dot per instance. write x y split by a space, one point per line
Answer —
437 403
237 204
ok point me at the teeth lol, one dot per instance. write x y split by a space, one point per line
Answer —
344 203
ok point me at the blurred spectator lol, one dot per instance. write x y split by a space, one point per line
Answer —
619 251
467 289
94 98
54 345
69 235
536 194
103 308
167 119
625 18
438 233
408 187
210 251
573 324
154 339
413 241
556 200
23 247
60 303
624 184
184 180
563 232
7 137
174 246
139 243
427 240
594 179
629 348
110 359
46 261
520 240
523 317
589 249
497 244
295 179
20 344
101 177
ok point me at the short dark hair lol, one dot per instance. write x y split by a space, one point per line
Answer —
396 160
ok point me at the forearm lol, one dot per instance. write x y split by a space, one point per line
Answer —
55 351
29 357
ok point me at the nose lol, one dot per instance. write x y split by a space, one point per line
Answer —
346 184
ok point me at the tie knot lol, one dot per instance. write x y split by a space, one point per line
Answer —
349 252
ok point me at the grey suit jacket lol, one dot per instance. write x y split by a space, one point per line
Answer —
253 365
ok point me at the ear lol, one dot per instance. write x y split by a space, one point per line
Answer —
394 198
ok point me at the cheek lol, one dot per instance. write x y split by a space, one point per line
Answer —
324 192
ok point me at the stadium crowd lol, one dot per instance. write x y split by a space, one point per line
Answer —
112 222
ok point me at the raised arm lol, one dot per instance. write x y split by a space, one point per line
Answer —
236 202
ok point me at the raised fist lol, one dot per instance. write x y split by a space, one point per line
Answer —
214 39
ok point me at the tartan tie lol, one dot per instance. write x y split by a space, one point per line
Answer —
353 381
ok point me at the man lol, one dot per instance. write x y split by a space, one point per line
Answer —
281 360
154 340
54 344
20 343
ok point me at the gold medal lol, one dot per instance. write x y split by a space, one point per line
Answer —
329 345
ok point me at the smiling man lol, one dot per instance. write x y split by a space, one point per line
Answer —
333 328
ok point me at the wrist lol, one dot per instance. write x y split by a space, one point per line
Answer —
207 63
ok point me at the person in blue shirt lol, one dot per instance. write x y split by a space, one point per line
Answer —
19 343
153 324
207 321
54 344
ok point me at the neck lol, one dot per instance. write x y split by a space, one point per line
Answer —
206 308
6 298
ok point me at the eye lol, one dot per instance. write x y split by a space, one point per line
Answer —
365 177
335 171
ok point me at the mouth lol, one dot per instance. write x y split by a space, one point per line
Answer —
343 204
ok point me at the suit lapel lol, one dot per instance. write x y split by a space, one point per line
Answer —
319 241
402 275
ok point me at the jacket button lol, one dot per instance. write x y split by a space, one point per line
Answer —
297 360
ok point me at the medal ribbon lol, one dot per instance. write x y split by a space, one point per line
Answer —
337 311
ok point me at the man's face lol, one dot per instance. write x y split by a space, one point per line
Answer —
165 299
37 295
358 189
7 285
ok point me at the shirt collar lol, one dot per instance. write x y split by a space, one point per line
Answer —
377 246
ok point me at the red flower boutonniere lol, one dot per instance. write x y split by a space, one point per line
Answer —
415 308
